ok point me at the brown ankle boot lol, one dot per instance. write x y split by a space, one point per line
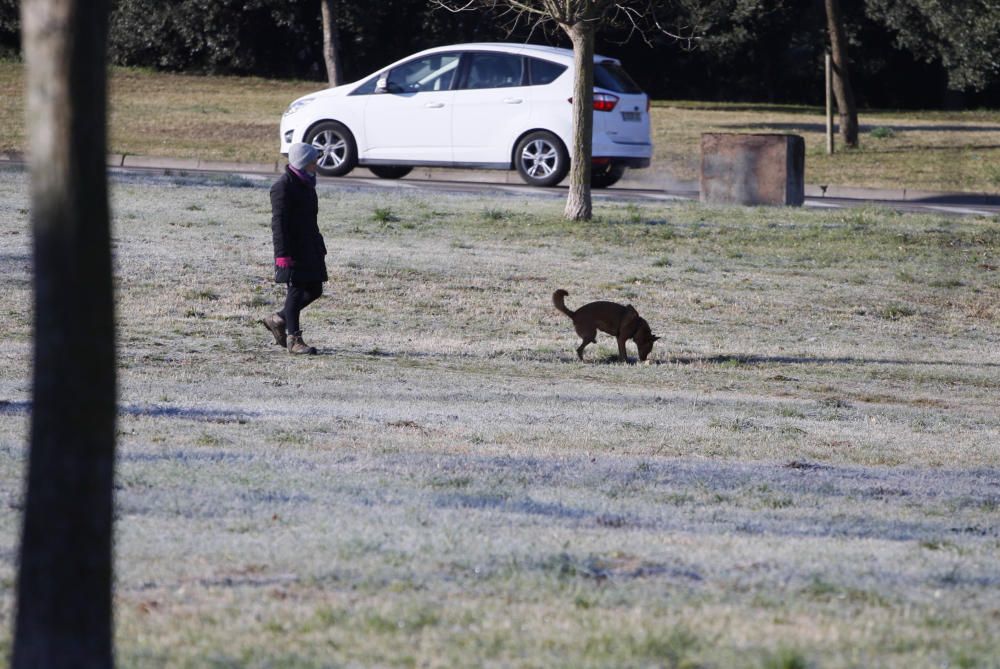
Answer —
298 346
276 325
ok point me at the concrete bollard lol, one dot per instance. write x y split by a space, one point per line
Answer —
753 169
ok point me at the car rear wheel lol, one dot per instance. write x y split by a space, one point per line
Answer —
541 159
604 176
338 151
390 171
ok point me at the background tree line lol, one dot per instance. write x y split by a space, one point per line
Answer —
903 53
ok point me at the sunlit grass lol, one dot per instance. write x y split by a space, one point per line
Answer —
236 119
931 151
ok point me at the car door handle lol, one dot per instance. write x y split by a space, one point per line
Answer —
513 101
434 105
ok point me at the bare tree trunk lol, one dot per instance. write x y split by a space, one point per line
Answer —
842 89
64 587
578 202
331 42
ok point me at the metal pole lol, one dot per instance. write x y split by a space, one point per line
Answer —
829 103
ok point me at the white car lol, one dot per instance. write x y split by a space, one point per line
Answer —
491 106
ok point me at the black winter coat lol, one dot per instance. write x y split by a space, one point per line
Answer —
295 232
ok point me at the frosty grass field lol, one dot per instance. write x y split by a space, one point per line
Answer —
808 475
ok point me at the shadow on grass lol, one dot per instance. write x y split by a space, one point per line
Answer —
188 456
820 127
609 359
938 149
748 498
960 198
505 503
730 107
810 360
190 413
16 260
8 408
19 408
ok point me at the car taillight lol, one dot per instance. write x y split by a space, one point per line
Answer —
602 101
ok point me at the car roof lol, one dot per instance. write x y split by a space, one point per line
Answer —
558 54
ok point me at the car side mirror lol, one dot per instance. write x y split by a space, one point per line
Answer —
382 85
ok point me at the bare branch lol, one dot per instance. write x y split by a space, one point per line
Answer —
525 8
631 15
642 21
470 5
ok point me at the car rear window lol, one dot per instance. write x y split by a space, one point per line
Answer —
610 76
544 71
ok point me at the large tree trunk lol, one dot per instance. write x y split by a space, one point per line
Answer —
841 75
578 203
64 587
331 42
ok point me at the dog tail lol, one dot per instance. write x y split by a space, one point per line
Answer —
558 299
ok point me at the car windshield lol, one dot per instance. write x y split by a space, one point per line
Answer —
610 76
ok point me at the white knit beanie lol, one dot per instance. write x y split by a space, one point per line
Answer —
301 154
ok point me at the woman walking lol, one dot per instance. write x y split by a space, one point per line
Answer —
299 250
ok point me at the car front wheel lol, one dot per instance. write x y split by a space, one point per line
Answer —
390 171
541 159
338 151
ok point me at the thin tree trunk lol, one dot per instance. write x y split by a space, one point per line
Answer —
578 202
64 587
331 42
842 89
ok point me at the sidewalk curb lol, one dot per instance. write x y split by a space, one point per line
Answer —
645 179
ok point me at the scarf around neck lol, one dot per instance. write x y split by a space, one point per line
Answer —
304 177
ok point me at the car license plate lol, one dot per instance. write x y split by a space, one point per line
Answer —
631 116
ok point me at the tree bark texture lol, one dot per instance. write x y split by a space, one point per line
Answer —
331 42
842 89
64 586
578 201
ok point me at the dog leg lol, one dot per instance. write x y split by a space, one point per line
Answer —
586 340
589 336
622 355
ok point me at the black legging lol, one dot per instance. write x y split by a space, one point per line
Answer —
299 296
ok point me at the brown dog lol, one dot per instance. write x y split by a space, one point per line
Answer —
621 322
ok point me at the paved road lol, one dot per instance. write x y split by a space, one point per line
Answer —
955 204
